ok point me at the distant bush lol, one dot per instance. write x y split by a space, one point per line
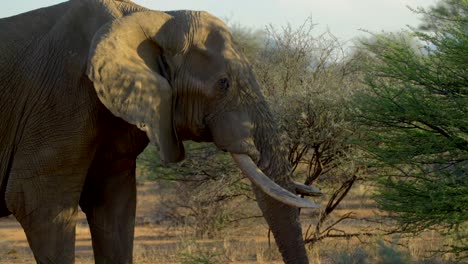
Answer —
358 256
193 253
205 192
388 254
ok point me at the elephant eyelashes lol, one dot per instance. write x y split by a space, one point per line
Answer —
223 84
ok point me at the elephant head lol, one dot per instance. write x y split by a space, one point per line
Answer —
178 76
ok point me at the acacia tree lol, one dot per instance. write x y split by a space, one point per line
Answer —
414 125
437 16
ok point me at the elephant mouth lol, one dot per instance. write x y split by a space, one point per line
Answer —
200 134
242 146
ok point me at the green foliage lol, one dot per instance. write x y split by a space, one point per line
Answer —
451 9
414 126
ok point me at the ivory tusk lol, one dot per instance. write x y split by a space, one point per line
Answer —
268 186
307 190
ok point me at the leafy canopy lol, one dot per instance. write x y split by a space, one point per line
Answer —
414 125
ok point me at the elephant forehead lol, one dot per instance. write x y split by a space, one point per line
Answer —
206 30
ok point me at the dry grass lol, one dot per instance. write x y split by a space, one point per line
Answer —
157 242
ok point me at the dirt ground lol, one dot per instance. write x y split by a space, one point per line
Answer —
156 242
153 243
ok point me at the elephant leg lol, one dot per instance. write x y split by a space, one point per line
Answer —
46 205
109 201
52 239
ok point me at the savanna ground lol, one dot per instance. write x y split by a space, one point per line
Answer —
157 241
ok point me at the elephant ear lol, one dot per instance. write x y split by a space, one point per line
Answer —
129 73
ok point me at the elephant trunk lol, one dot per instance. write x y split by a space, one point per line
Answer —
283 221
282 218
279 208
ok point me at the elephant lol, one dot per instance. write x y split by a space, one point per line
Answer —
86 85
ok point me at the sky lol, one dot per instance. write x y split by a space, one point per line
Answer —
343 18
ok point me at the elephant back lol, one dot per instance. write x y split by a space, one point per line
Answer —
17 32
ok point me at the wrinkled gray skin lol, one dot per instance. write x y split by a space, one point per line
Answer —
86 85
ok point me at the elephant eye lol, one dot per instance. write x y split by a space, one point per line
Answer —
223 84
